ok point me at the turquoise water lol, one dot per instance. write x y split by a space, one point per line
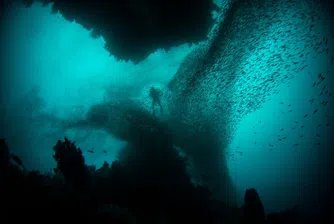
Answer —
47 71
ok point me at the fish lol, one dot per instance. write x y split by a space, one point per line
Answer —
56 170
90 151
271 145
105 152
301 136
318 143
311 101
318 135
315 111
305 115
282 129
290 111
295 145
18 160
320 76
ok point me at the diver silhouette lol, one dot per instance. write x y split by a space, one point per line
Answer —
155 94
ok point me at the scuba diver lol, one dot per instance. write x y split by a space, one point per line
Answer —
155 94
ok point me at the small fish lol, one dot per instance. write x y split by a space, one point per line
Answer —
318 143
319 125
282 129
105 152
320 93
320 76
271 145
296 122
325 103
302 126
328 125
282 112
318 135
17 160
301 136
324 87
293 128
280 139
311 100
290 111
314 84
281 102
284 137
315 111
90 151
296 145
289 105
305 115
254 133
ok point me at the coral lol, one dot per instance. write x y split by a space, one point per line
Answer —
71 163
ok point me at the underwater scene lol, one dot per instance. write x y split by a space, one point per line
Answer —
234 128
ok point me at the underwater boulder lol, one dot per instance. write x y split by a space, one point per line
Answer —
134 29
253 210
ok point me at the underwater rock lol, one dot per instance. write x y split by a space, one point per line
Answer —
253 210
71 163
288 216
125 119
115 214
134 29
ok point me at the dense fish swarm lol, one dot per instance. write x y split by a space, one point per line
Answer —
255 47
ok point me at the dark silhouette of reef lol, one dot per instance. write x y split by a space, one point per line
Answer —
134 29
145 185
